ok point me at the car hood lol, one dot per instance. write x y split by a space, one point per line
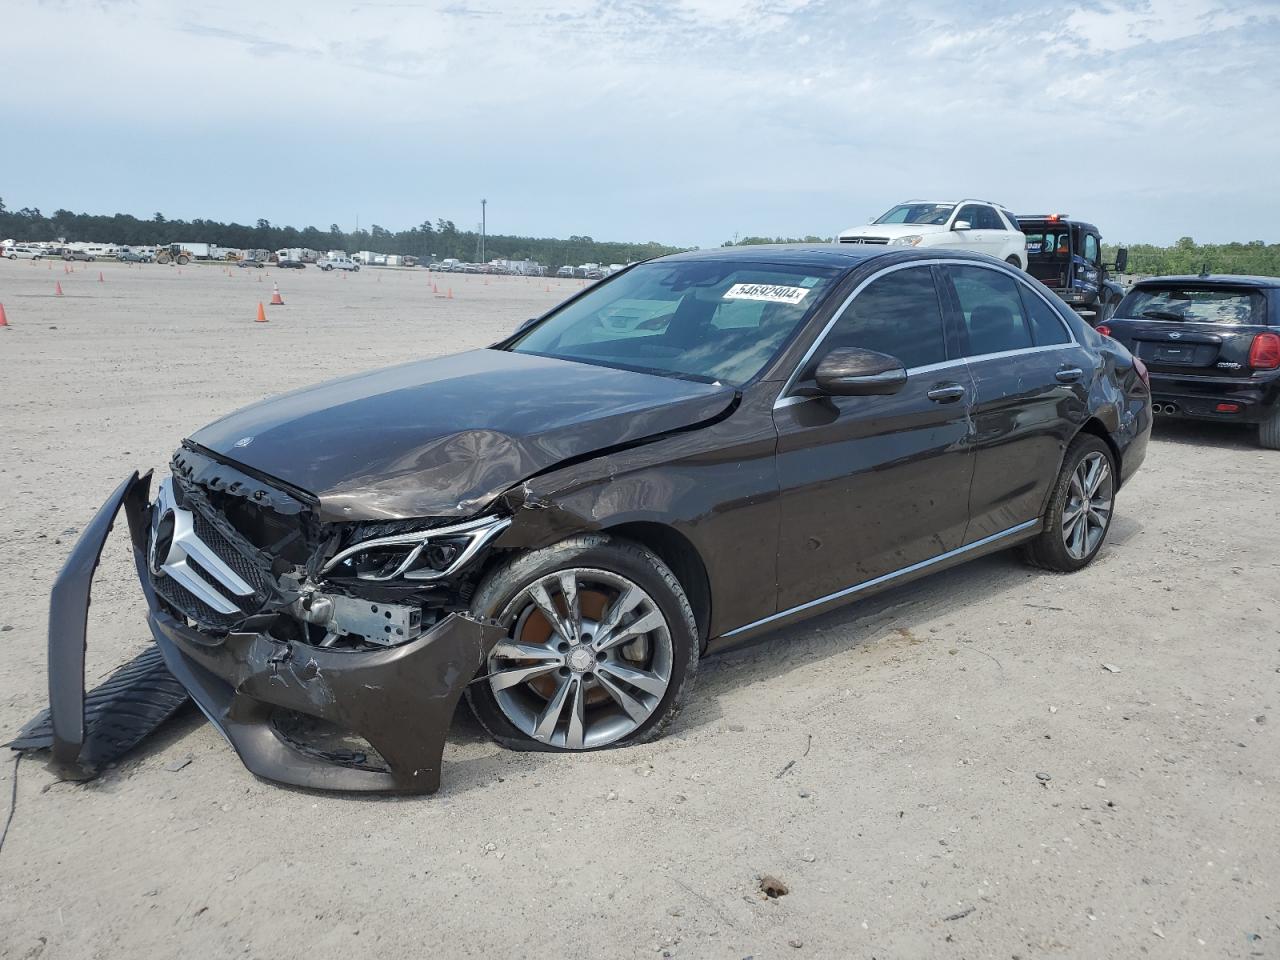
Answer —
444 437
893 230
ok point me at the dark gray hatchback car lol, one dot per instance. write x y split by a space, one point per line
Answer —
1213 345
695 451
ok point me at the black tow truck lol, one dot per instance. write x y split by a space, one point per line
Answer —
1066 256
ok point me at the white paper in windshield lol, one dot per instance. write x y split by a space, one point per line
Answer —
768 292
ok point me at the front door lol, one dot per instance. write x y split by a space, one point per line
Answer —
870 485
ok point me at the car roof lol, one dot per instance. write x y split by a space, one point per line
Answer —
1044 218
841 256
1212 279
797 254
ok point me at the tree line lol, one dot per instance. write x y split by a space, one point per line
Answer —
441 239
1188 257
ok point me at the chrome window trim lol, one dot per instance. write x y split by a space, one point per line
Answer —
786 400
885 578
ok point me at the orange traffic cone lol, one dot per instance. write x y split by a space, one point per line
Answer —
276 300
4 321
100 276
450 296
57 289
434 288
262 314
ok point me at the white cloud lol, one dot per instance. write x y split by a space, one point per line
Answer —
681 120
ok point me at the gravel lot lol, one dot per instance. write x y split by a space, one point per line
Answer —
947 770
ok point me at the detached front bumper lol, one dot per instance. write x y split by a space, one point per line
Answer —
399 700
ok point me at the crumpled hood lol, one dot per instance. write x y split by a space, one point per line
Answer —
893 230
443 437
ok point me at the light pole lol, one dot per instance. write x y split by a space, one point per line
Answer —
483 204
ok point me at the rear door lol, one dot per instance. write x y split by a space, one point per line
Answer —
1190 330
1030 393
870 485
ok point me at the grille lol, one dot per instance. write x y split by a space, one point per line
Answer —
244 567
879 240
195 590
186 602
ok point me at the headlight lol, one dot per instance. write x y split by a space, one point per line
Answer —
425 555
911 241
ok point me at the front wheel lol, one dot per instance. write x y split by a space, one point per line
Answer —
1014 262
601 647
1079 512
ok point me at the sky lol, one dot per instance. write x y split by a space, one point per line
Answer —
682 121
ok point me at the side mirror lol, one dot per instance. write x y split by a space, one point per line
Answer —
854 372
525 326
1122 259
962 225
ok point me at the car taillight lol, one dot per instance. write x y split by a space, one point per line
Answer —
1143 373
1264 354
1103 329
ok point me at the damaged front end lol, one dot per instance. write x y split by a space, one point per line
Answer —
330 655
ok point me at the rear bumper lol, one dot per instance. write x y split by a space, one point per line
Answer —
399 700
1198 398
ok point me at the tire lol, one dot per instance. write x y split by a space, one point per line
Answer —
515 695
1064 549
14 256
1014 262
1269 430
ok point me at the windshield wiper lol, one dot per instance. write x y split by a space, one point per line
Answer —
1164 315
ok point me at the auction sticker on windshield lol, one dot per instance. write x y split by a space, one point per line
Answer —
768 292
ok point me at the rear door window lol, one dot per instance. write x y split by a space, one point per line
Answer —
991 309
1192 304
1047 327
898 313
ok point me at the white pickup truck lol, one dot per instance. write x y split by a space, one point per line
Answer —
338 263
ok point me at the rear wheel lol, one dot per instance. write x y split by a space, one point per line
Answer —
1269 430
1079 512
1014 262
601 647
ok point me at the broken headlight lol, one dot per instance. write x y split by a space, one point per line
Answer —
426 555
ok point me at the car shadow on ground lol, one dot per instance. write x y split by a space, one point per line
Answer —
1229 436
897 616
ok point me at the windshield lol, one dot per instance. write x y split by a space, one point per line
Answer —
931 213
715 321
1193 305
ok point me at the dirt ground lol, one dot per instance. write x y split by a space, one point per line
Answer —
993 762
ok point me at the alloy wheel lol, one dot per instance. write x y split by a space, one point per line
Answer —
587 661
1087 510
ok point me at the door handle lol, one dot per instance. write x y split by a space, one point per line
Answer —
1069 375
946 393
